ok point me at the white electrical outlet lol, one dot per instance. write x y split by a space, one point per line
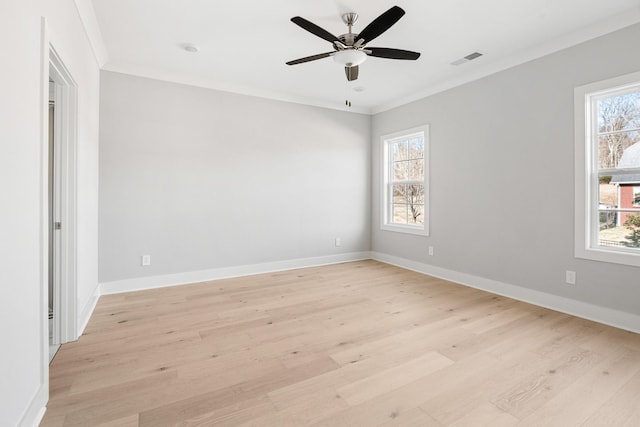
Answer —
146 260
570 277
430 250
338 241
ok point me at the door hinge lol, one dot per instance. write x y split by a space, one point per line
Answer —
57 225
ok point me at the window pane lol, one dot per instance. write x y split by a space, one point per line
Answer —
416 169
399 151
400 172
400 193
624 234
399 214
416 148
618 150
415 194
416 214
618 229
608 220
408 204
608 193
619 112
636 197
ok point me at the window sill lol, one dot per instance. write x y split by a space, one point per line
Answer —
607 255
407 229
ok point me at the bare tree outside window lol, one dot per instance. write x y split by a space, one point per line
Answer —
618 127
406 158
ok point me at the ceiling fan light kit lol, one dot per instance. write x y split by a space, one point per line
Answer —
350 57
350 49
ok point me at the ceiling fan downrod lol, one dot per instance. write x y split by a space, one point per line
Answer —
350 19
348 39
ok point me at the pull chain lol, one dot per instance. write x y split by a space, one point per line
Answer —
346 95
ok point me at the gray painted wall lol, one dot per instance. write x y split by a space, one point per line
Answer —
201 179
502 175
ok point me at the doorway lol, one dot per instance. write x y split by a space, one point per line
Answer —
53 236
61 174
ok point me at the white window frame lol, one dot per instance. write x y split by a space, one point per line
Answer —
586 172
635 194
385 223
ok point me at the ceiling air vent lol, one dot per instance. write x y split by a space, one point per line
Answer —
467 58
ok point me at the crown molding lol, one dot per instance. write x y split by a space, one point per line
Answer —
91 28
172 77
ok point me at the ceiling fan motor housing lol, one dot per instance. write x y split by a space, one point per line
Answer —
347 39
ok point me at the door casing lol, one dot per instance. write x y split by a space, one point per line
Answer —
65 324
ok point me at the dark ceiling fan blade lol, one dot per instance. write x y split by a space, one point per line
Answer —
381 24
310 58
352 72
314 29
385 52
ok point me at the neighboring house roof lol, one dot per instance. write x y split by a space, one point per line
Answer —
630 159
626 179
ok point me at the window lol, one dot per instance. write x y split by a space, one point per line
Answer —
405 191
608 170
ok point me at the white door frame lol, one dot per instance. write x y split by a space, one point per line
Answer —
65 294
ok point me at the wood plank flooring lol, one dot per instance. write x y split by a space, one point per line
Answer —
354 344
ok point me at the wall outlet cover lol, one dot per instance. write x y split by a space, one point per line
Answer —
570 277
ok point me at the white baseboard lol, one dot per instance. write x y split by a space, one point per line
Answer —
153 282
87 311
38 406
607 316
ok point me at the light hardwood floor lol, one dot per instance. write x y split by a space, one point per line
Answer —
354 344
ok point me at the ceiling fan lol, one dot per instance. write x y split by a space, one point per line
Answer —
351 49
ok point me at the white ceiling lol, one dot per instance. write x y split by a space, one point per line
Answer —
244 44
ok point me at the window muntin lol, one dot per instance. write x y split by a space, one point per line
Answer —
405 191
608 170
